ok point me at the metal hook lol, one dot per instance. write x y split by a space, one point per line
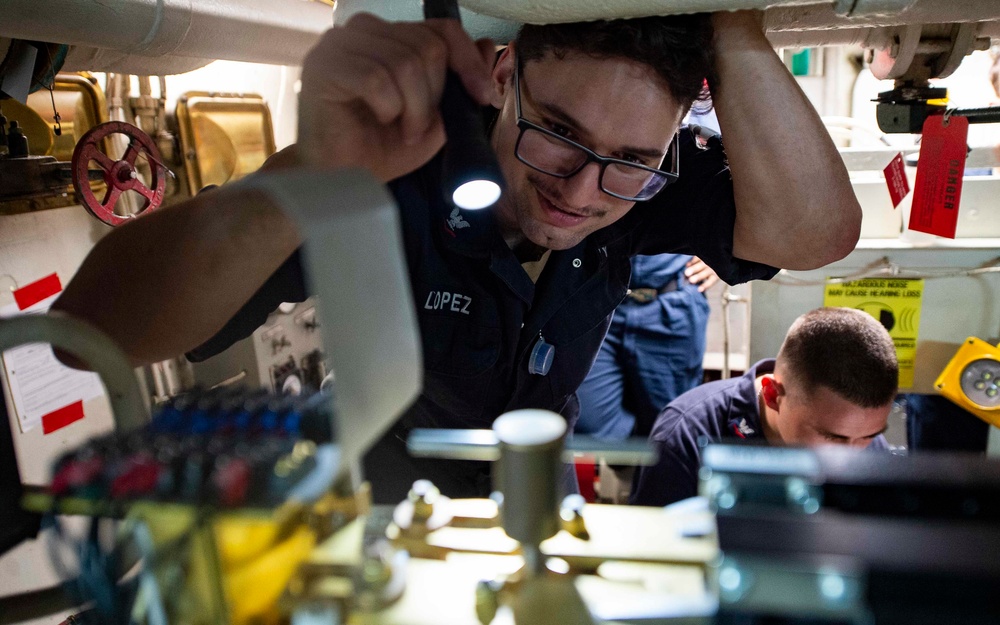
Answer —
13 286
56 117
12 281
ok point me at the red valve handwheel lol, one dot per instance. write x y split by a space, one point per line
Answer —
120 175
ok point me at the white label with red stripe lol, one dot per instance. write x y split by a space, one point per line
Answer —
44 391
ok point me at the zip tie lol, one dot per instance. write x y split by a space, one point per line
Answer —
946 119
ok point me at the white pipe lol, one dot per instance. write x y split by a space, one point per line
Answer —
789 23
976 37
91 346
83 59
831 14
824 16
184 34
478 25
263 31
560 11
877 38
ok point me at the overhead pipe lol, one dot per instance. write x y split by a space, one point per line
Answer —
84 59
278 32
478 24
831 13
157 37
789 23
877 38
825 16
561 11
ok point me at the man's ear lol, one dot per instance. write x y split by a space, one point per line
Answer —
503 73
770 389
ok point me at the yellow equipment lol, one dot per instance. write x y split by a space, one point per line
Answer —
972 379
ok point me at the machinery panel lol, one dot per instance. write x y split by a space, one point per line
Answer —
284 355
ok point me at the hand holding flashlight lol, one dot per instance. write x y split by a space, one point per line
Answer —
470 172
371 91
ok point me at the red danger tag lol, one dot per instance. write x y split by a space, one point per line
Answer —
938 187
59 419
895 179
31 294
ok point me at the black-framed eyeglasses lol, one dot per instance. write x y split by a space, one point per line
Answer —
555 155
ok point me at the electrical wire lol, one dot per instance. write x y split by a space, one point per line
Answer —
885 268
120 582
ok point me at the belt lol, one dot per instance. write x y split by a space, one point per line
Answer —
645 295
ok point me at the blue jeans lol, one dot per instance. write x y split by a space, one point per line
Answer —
652 353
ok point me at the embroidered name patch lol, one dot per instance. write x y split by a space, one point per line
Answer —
446 300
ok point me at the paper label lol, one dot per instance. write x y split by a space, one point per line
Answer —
44 391
938 187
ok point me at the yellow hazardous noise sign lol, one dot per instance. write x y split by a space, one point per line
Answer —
895 302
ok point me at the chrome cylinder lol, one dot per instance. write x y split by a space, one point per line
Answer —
528 473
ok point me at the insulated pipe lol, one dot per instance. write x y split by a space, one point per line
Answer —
789 23
824 17
560 11
836 14
262 31
81 59
476 24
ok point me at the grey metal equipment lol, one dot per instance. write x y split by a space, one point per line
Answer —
527 474
915 54
357 270
526 478
837 535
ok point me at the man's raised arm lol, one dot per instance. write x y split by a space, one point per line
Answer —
170 280
795 207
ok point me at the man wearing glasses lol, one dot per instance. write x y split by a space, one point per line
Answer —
586 132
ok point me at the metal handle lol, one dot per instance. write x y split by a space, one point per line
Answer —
483 445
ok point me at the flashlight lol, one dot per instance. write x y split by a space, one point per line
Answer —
470 172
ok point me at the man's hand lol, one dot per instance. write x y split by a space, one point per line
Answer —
371 90
700 274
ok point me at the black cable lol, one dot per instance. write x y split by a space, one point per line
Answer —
35 604
983 115
468 157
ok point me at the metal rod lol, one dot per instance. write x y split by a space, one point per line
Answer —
483 445
984 115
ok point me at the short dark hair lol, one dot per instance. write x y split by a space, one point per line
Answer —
844 350
677 47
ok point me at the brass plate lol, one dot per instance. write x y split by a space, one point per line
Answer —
81 106
223 137
38 133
